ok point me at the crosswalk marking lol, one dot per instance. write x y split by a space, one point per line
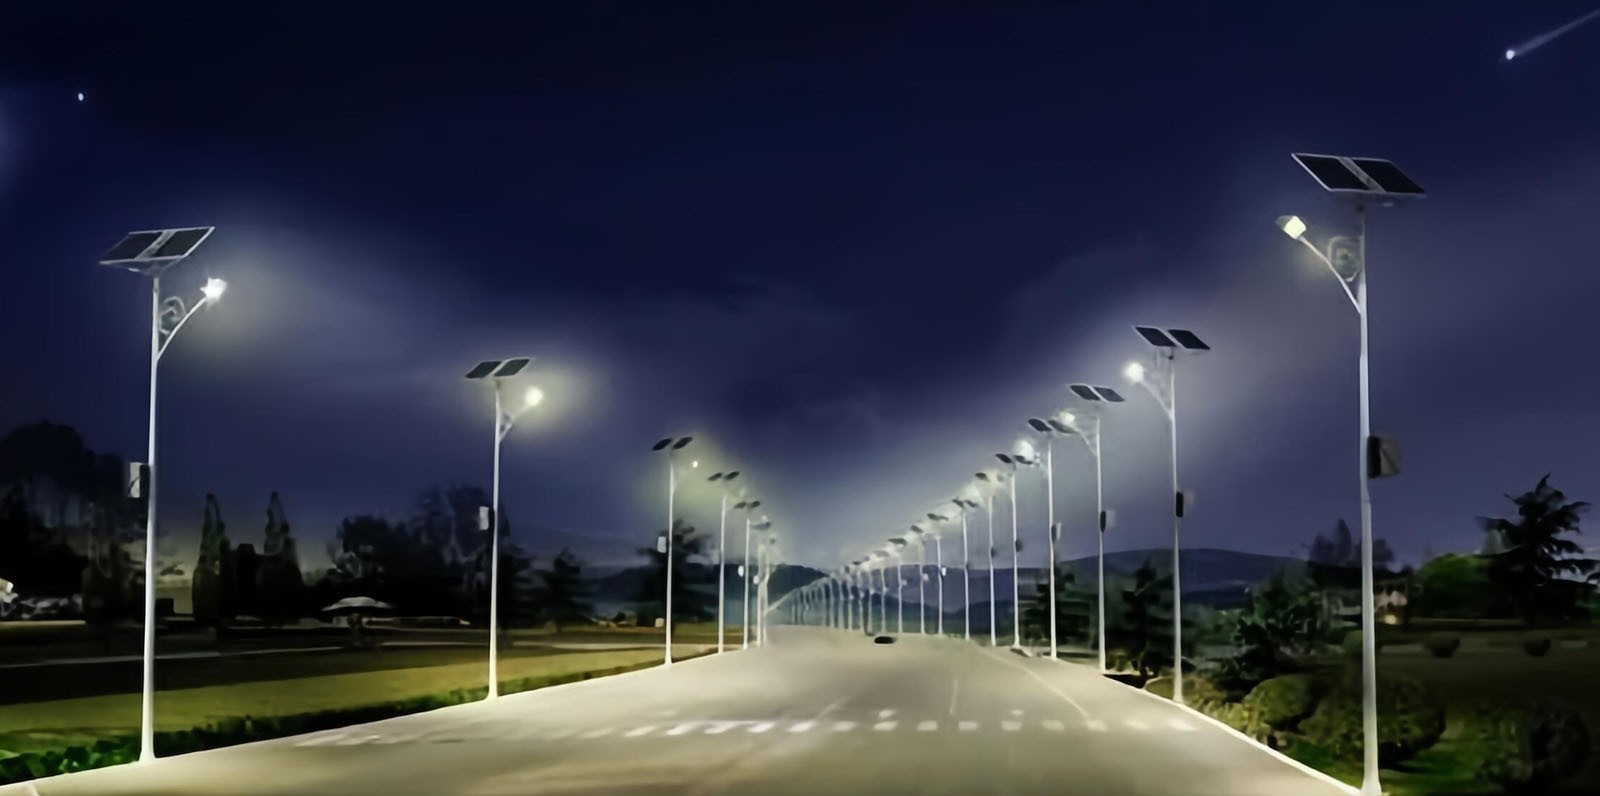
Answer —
1095 725
968 726
927 726
638 731
885 726
1054 725
843 726
802 726
761 727
723 726
1010 726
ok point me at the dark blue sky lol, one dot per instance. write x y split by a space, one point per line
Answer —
851 245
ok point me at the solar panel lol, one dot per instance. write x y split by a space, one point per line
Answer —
1083 391
662 444
732 474
1155 337
1110 395
1038 425
130 247
512 367
483 368
181 243
1061 427
1188 339
1388 176
1331 172
682 442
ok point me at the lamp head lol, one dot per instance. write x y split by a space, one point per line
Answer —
1134 372
214 288
533 397
1292 226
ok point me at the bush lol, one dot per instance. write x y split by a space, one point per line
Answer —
1410 719
1442 645
1537 647
1244 718
1198 690
1526 748
1351 643
1283 701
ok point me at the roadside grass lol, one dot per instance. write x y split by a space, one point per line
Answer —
41 726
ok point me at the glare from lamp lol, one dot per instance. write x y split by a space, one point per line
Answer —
533 397
1134 372
1292 226
213 288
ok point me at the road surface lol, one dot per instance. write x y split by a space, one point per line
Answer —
817 712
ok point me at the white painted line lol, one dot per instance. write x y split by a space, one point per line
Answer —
886 713
318 740
885 726
927 726
598 733
721 727
1010 725
682 729
1094 725
761 727
843 726
1180 725
1046 683
802 726
1054 725
968 726
638 731
1135 724
1016 711
357 740
955 690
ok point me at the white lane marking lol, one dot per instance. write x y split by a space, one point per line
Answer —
1095 725
357 740
721 727
681 729
927 726
1010 726
1135 724
885 726
968 726
638 731
1054 725
598 733
802 726
404 737
318 740
1016 711
886 713
1180 725
1046 683
955 690
843 726
761 727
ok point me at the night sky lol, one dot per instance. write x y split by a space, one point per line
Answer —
850 246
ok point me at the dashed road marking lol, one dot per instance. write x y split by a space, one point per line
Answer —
681 729
1010 726
638 731
1054 725
885 726
802 726
927 726
761 727
843 726
968 726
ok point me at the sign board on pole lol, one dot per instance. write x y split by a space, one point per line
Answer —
483 518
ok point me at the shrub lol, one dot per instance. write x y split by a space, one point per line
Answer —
1442 645
1526 748
1283 701
1410 719
1199 691
1351 643
1245 718
1537 647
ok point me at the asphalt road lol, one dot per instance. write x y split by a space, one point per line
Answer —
815 712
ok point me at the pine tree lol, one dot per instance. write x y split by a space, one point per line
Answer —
213 570
564 591
280 587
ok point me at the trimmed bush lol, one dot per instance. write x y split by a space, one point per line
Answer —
1199 690
1350 644
1283 702
1442 645
1526 748
1537 647
1410 719
1244 718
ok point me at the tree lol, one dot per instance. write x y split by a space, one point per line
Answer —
1283 621
1072 609
1335 560
280 587
108 589
564 591
1531 563
688 601
1456 586
213 570
1146 628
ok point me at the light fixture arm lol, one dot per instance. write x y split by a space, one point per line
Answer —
176 313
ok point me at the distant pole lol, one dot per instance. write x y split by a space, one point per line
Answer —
1050 526
672 488
966 580
989 514
744 605
722 563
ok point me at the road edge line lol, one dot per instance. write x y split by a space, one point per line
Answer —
32 787
1323 776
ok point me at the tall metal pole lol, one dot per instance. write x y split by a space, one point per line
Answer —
1050 530
672 488
922 575
1016 555
1177 519
988 512
147 733
1369 648
722 564
899 594
966 580
744 605
938 568
1100 541
494 553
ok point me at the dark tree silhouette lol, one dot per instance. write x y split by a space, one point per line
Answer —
1073 607
1538 570
690 599
280 593
213 571
1335 560
564 591
1147 629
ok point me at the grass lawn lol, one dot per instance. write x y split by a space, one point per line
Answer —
56 723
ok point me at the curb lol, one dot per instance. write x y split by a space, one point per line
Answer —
32 786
